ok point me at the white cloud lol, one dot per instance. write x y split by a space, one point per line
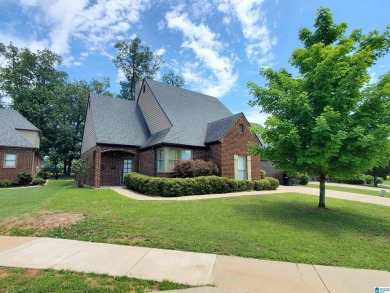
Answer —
208 51
253 25
160 51
255 116
96 24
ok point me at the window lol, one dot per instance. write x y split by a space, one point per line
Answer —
241 167
167 157
241 127
10 161
160 160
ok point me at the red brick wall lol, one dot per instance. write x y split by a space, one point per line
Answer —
106 164
236 143
24 163
89 158
214 154
147 162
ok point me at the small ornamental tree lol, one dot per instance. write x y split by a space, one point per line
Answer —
81 172
322 122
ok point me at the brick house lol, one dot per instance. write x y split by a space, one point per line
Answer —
163 125
19 146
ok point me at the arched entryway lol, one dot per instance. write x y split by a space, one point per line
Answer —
115 164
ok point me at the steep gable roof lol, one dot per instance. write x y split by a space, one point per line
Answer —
189 113
217 129
117 121
11 121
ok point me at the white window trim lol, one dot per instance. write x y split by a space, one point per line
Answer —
166 158
5 160
248 167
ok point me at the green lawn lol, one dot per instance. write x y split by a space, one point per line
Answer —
29 280
350 189
285 227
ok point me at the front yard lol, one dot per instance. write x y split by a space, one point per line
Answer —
285 227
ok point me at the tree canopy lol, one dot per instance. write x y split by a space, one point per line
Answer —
136 61
173 79
46 97
323 121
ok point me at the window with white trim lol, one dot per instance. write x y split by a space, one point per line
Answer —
241 168
167 157
10 161
160 160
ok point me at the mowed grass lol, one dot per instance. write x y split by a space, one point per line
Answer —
349 189
286 227
30 280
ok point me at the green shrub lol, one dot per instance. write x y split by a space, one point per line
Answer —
262 184
170 187
263 174
304 179
37 181
43 174
379 180
81 172
359 179
244 185
5 183
274 183
155 186
24 178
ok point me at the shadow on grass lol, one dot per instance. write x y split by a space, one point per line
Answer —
301 213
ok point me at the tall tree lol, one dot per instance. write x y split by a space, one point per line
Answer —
101 87
32 83
173 79
136 61
320 121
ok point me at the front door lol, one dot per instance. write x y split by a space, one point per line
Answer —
126 168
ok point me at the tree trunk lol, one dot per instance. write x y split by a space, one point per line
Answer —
321 203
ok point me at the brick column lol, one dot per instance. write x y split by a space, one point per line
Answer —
98 163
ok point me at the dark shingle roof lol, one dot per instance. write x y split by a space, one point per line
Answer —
217 129
10 121
118 121
188 111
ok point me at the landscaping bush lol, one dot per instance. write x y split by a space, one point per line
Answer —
262 184
24 178
380 180
263 174
5 183
37 181
274 183
359 179
170 187
300 179
81 172
43 174
194 168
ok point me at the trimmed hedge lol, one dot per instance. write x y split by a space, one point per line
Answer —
38 181
173 187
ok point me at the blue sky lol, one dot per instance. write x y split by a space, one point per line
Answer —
218 46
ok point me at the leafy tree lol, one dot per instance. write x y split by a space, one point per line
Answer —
173 79
47 99
136 61
320 121
31 81
101 87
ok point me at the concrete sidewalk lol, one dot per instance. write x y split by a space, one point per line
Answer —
281 189
227 273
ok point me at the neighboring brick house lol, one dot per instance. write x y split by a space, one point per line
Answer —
163 125
19 146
